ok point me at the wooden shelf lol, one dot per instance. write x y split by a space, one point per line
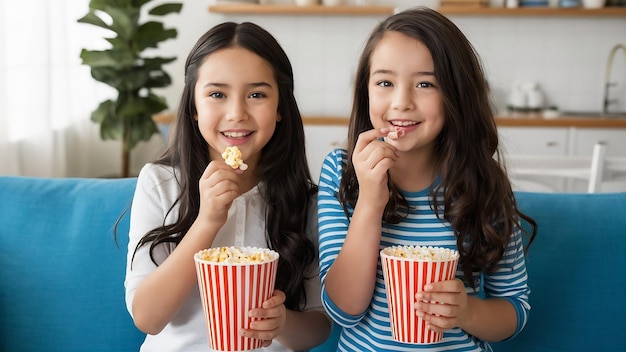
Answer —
532 11
300 10
278 9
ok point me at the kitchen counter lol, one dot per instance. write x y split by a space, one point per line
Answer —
561 121
526 120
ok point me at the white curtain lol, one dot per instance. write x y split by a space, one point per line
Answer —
47 95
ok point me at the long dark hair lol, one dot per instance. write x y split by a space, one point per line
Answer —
285 176
477 197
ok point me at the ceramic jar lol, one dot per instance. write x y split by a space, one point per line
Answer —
593 4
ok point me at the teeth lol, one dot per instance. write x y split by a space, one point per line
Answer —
403 123
235 134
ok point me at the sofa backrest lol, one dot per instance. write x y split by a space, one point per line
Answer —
61 270
577 274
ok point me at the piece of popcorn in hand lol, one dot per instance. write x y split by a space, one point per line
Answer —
397 133
232 158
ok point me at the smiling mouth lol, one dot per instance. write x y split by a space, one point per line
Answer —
236 134
403 123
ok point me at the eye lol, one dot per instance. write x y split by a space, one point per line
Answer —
217 95
257 95
425 85
384 84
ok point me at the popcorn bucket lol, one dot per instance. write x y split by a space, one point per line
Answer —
406 271
229 290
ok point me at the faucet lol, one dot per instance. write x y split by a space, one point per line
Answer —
607 77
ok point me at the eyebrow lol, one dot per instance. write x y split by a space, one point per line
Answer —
249 85
419 73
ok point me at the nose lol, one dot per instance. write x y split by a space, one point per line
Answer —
237 110
402 99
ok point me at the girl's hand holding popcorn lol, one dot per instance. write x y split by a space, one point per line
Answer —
268 321
219 186
372 158
451 307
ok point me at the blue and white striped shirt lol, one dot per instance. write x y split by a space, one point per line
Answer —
371 331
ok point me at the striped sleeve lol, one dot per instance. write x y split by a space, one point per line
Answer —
510 280
333 227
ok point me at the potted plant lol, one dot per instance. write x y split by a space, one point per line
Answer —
125 67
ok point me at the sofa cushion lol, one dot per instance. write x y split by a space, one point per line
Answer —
61 270
577 273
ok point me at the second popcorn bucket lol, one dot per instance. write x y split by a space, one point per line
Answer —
406 270
232 281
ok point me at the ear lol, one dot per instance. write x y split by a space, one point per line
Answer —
278 117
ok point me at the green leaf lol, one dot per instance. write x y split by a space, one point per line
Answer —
159 79
99 4
125 22
107 76
155 63
139 3
103 112
166 9
91 18
106 58
150 34
140 130
110 125
111 129
132 107
118 43
136 79
155 103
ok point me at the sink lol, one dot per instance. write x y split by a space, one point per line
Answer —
593 114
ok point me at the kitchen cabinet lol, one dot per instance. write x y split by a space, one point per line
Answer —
551 141
586 138
561 141
565 141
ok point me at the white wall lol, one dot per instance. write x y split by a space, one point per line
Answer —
567 56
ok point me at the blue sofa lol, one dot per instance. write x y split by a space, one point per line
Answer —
62 269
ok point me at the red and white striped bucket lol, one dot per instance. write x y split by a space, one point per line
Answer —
405 277
228 292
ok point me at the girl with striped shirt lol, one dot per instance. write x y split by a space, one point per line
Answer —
422 168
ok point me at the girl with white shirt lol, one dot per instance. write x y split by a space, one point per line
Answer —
238 92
